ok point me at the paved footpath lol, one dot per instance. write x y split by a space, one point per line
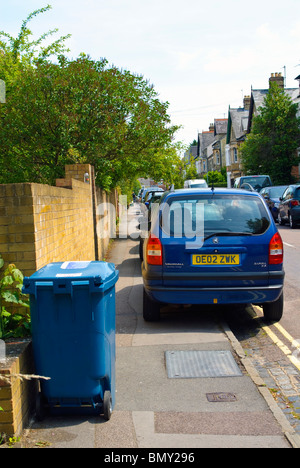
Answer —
157 406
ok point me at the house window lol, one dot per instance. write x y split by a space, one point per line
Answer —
218 158
235 155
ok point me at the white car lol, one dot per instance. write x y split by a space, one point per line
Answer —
195 183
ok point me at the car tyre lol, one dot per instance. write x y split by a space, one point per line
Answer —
292 222
151 309
273 311
280 220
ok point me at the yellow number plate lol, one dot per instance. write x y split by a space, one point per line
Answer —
216 259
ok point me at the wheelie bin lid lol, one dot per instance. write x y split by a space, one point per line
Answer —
98 274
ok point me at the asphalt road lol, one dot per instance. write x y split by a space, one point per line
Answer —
291 318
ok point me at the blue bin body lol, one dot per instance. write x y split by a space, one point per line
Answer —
73 332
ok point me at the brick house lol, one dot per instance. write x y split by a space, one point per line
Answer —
236 134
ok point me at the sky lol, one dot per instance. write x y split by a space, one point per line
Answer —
201 56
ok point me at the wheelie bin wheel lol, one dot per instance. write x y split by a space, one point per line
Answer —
107 405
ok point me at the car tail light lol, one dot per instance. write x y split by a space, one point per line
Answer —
154 251
276 250
294 202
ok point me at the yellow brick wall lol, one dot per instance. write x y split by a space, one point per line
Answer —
63 221
40 224
17 234
17 399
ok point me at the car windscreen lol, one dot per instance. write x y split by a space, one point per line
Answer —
211 213
200 185
276 192
257 182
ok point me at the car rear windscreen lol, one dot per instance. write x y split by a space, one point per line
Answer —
205 214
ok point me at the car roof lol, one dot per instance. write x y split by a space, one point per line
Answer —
256 175
207 191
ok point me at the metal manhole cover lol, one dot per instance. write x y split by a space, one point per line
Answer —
222 397
193 364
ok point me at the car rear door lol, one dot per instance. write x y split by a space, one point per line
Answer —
229 249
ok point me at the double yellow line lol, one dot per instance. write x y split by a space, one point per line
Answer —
293 356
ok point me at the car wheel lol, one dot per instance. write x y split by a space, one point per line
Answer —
107 405
292 222
280 221
151 309
273 311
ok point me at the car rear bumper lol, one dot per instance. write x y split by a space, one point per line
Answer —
214 296
185 293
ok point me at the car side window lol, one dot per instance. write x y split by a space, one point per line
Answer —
284 196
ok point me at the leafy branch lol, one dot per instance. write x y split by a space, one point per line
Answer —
14 322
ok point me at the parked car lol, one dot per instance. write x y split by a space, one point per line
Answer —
149 189
258 182
151 201
213 247
289 206
272 198
152 197
195 183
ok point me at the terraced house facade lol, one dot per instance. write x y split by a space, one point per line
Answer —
219 147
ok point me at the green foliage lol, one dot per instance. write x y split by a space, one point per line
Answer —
19 53
217 178
75 111
190 170
271 146
15 319
166 165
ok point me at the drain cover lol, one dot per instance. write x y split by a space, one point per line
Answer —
221 397
193 364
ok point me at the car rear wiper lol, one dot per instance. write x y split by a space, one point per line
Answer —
228 234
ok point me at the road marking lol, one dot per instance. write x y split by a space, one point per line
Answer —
295 343
291 355
289 245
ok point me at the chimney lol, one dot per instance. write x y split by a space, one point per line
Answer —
211 127
247 100
277 78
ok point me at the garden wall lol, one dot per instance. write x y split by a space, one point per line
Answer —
40 224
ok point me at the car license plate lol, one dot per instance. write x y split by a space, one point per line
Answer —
216 259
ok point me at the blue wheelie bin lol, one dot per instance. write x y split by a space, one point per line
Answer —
72 308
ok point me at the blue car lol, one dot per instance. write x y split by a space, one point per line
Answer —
213 246
272 197
289 206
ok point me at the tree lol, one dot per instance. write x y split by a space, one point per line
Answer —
76 111
166 164
216 178
271 146
191 171
22 52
